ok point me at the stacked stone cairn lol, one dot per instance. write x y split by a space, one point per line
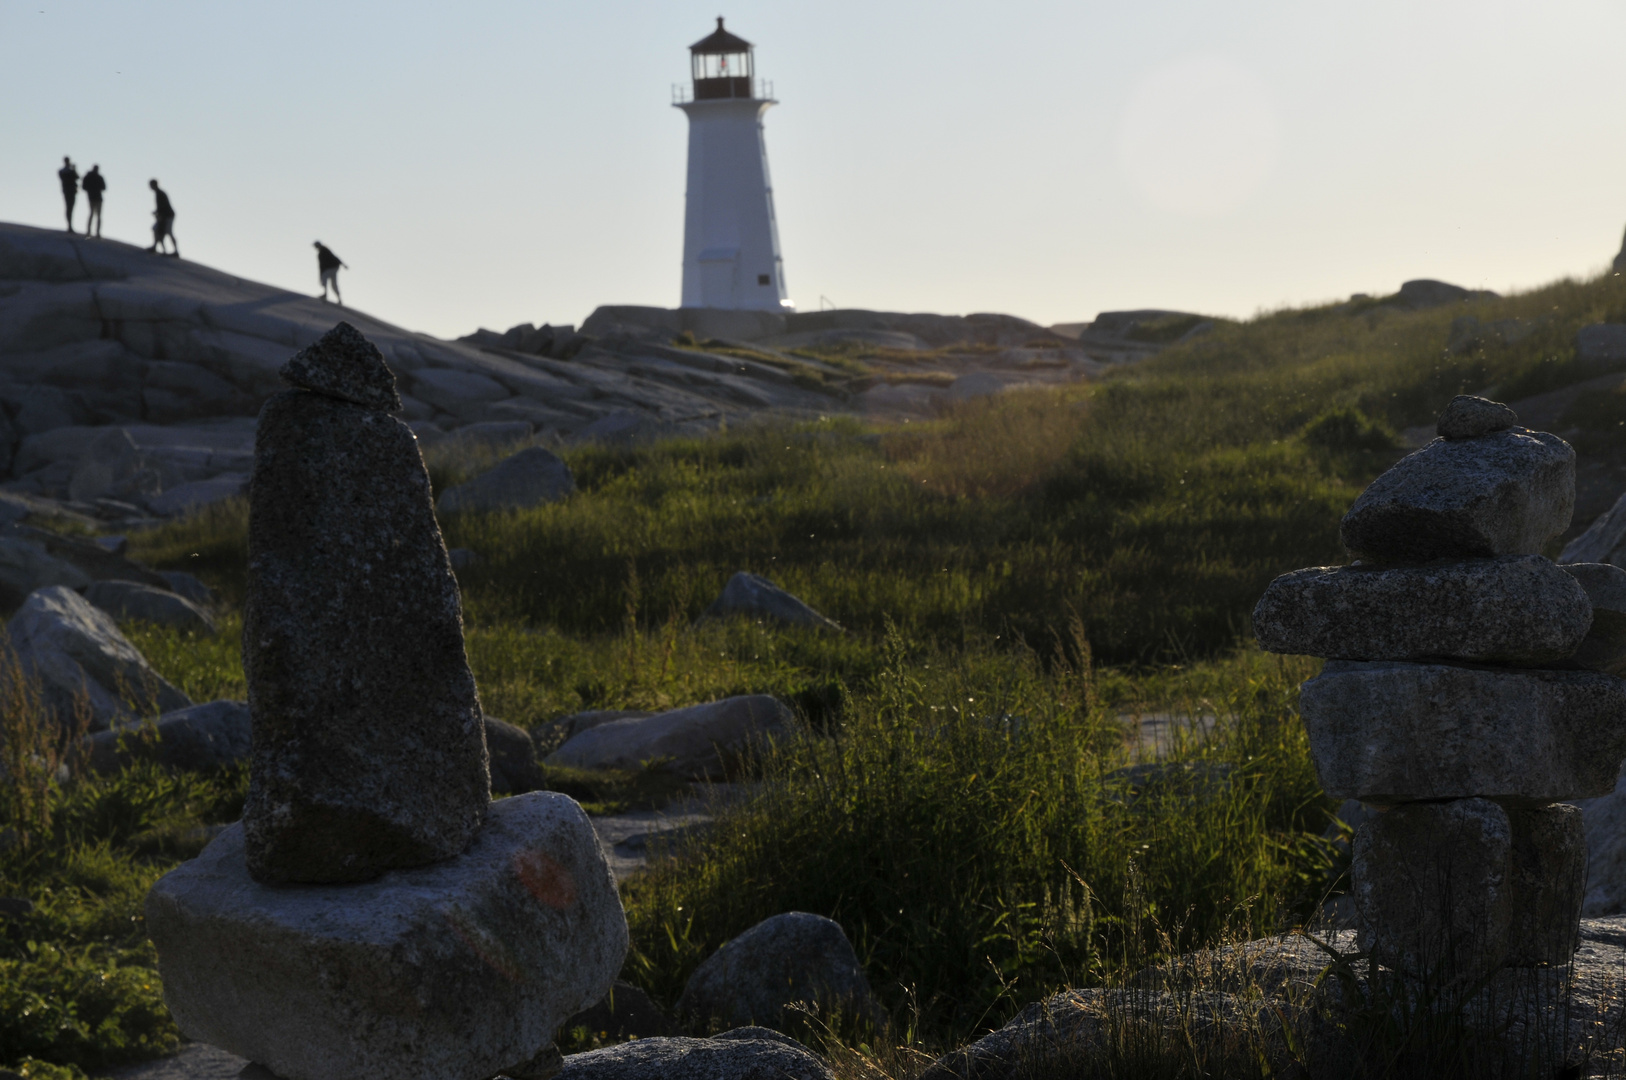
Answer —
1470 686
374 916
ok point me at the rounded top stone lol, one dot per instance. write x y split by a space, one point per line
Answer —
1469 417
343 364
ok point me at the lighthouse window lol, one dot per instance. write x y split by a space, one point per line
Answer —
722 65
764 279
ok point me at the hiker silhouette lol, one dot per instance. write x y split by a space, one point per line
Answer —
327 266
94 185
70 186
163 222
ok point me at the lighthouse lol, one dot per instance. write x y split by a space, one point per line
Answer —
730 238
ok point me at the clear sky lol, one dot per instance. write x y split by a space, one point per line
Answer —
493 162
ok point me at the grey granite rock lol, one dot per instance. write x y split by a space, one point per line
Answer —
1506 493
135 601
1602 541
1387 733
1548 878
1604 648
113 467
86 670
701 741
794 959
532 477
1469 417
514 768
369 751
343 364
1604 820
188 585
1274 1002
1432 885
758 598
1517 609
213 735
721 1058
26 566
456 970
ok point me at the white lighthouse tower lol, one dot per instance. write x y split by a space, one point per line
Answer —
730 237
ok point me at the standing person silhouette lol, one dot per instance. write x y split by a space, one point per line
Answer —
70 186
163 222
94 185
327 266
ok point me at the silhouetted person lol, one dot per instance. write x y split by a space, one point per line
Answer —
70 186
94 185
163 222
327 264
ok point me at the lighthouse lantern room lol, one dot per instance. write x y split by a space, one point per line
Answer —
730 237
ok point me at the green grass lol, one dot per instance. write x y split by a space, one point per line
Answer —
1012 578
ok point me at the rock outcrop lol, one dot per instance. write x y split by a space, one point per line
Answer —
129 383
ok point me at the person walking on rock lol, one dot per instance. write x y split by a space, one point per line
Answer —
94 185
163 223
327 266
70 186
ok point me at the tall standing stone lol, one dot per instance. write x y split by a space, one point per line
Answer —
369 750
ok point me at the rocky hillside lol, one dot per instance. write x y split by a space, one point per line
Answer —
100 338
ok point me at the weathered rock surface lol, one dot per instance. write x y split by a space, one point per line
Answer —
532 477
1517 609
213 735
1604 648
133 600
1432 885
794 959
343 364
1388 733
457 970
97 334
758 598
701 741
514 768
26 566
1211 1001
1603 540
1604 820
369 750
1548 878
113 467
1506 493
190 586
84 666
747 1054
1469 417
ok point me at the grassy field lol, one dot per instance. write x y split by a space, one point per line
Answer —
1014 579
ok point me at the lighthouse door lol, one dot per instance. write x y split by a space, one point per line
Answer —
718 274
